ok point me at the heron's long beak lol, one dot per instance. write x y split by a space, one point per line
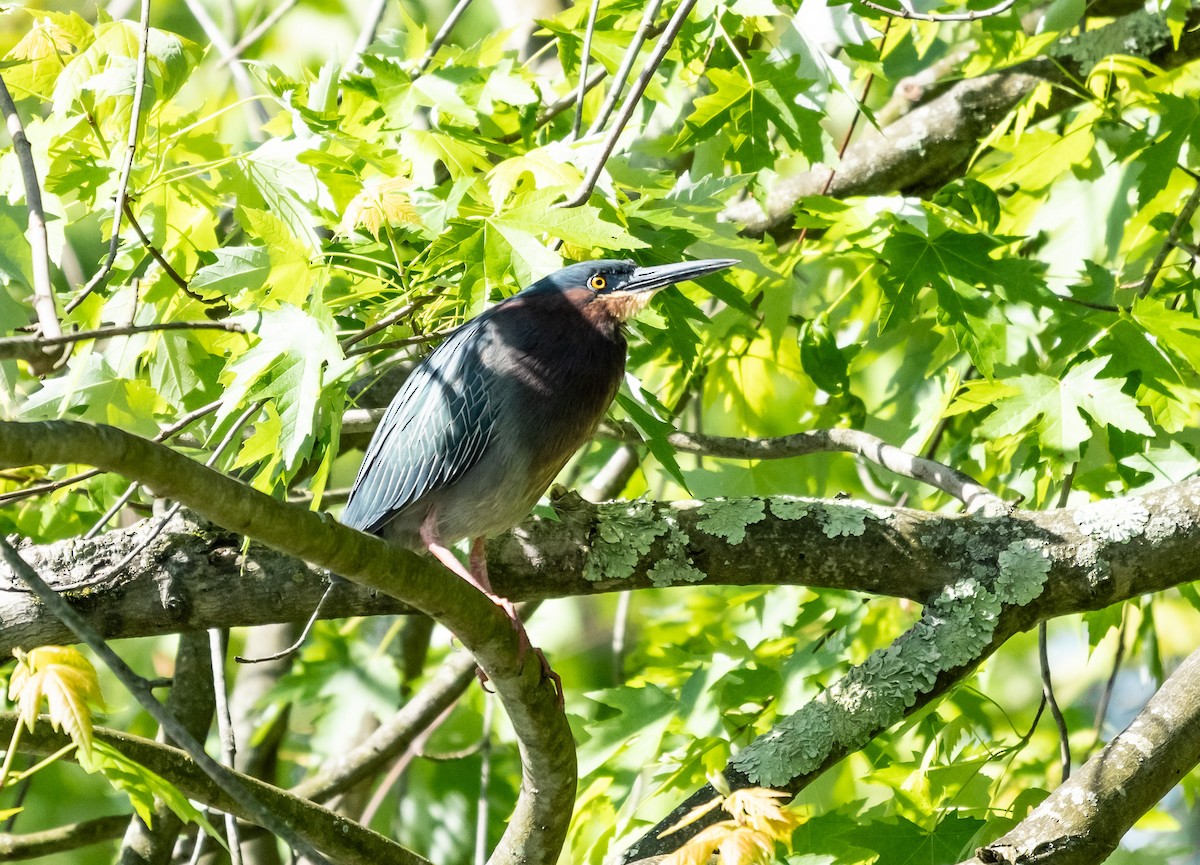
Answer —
660 275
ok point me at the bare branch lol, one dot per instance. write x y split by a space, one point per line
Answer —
584 192
138 687
241 79
1181 221
26 346
584 59
443 34
135 115
537 826
950 481
969 15
62 838
627 61
1083 821
162 262
394 736
366 35
43 290
253 35
344 840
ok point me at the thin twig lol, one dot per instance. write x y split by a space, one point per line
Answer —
443 34
395 736
858 112
1111 684
631 102
43 289
22 346
252 36
366 35
396 772
135 114
386 322
1183 219
584 59
162 262
237 70
556 107
971 15
138 687
418 339
121 501
485 777
170 513
216 646
631 54
1060 723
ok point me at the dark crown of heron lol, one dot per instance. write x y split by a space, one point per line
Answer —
610 288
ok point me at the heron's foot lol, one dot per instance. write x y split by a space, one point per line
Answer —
555 679
524 647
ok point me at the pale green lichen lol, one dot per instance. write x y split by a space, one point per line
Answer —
1024 567
1113 520
791 508
675 566
873 696
728 518
843 520
670 572
624 533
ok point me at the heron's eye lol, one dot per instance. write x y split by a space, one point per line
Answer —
597 283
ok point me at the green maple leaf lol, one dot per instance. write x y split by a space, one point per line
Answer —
1055 408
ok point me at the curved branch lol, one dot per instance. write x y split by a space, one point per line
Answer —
343 840
538 826
950 481
1084 820
970 15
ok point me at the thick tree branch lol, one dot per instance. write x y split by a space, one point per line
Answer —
934 143
1084 820
141 691
1094 556
537 827
1066 560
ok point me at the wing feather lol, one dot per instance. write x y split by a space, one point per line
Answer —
436 428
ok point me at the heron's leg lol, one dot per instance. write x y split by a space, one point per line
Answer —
477 576
478 562
432 541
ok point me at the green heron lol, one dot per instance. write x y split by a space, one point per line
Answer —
484 424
